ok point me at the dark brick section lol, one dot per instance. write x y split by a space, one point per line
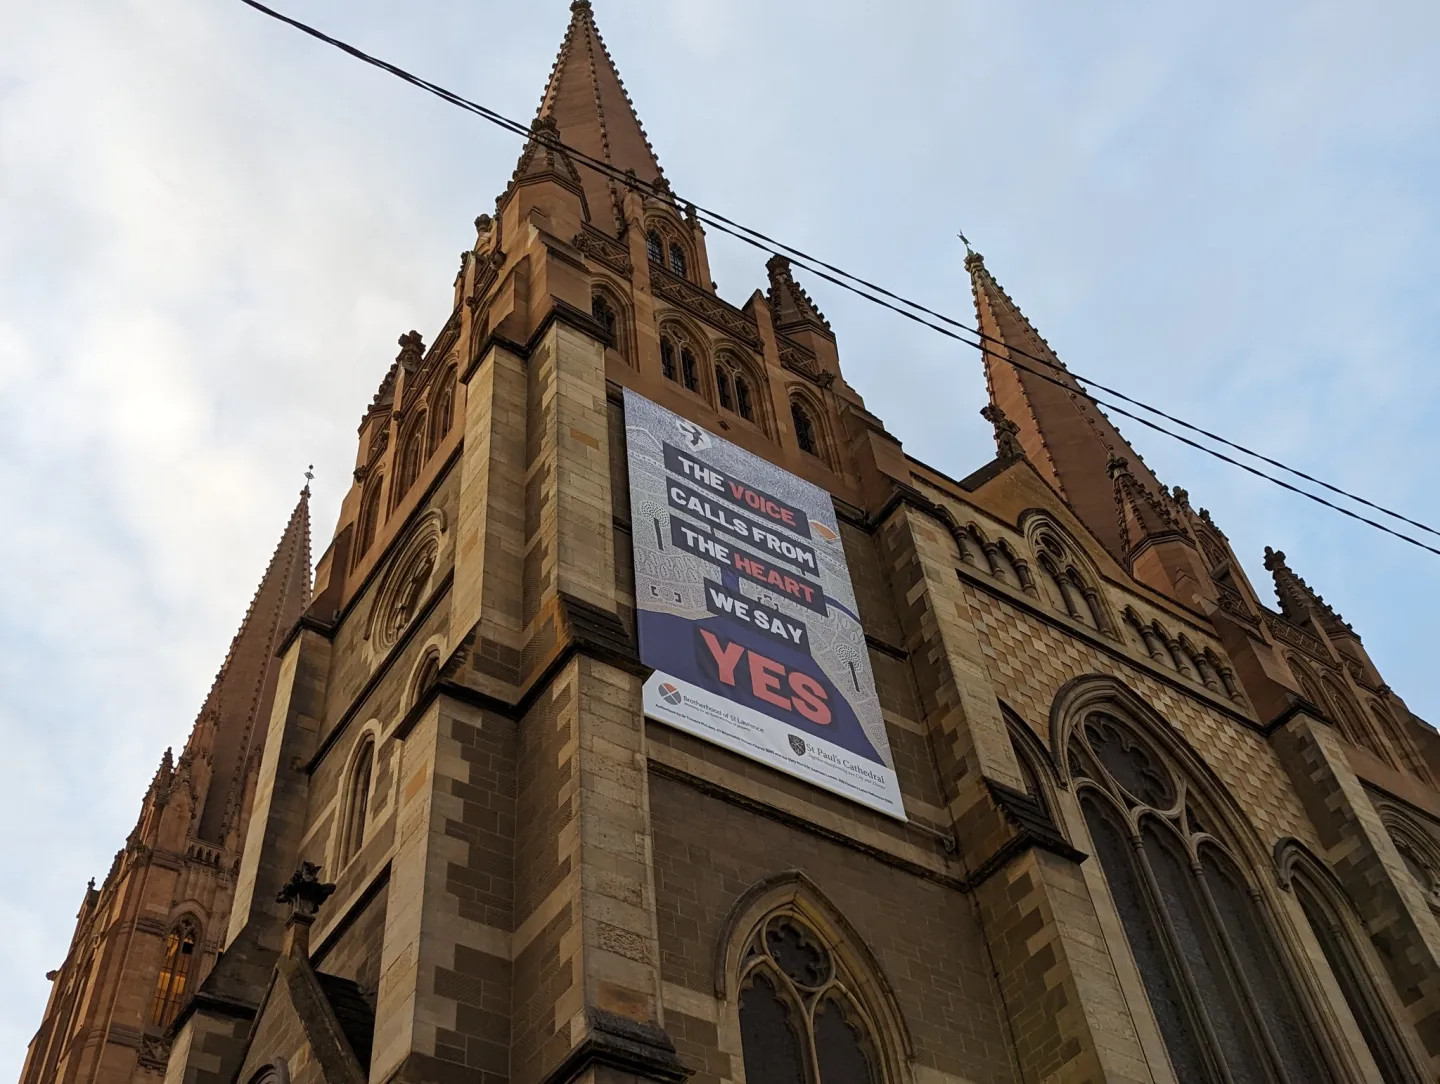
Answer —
698 1045
541 979
540 816
479 985
708 853
484 882
356 952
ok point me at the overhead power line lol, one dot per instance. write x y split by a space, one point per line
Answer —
879 295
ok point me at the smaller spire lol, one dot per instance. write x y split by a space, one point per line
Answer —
1007 433
1143 516
790 305
1297 599
545 159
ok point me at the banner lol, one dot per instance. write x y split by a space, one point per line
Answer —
746 611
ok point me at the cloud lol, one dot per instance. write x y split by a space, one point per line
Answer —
213 230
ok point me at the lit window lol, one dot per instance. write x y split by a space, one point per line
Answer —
174 982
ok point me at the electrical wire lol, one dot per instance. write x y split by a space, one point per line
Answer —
879 295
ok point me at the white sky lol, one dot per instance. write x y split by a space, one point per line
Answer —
213 230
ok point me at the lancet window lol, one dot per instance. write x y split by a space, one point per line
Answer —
805 433
369 520
176 971
733 388
442 416
801 1021
412 458
356 806
654 246
678 359
1197 931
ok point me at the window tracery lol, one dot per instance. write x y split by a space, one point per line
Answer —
182 944
1196 929
734 388
679 358
800 1019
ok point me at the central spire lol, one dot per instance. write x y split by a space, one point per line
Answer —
593 113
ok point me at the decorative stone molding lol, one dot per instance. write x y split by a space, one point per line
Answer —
706 306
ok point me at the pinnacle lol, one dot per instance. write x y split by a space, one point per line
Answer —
789 302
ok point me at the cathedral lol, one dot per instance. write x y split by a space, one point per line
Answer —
651 716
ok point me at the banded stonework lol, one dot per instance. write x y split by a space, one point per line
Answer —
1158 829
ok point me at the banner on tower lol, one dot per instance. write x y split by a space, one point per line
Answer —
745 609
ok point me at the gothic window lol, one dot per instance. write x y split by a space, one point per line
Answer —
744 400
800 1022
724 387
804 428
677 260
689 371
426 675
173 984
412 458
668 367
369 520
654 247
1362 998
604 314
442 415
356 805
1198 933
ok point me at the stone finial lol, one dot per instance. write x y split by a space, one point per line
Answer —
1007 433
581 7
1182 498
412 350
1116 465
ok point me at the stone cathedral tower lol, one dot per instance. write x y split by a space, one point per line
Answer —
1154 829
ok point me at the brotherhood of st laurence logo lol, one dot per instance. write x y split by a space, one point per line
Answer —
672 695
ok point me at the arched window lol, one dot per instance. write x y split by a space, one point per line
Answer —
744 399
604 314
677 260
689 371
734 387
173 985
442 415
804 428
1332 921
356 804
369 520
800 1019
1211 969
724 387
654 247
669 366
412 458
425 676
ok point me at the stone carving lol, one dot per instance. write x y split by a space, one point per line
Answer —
605 250
1007 433
709 308
305 892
